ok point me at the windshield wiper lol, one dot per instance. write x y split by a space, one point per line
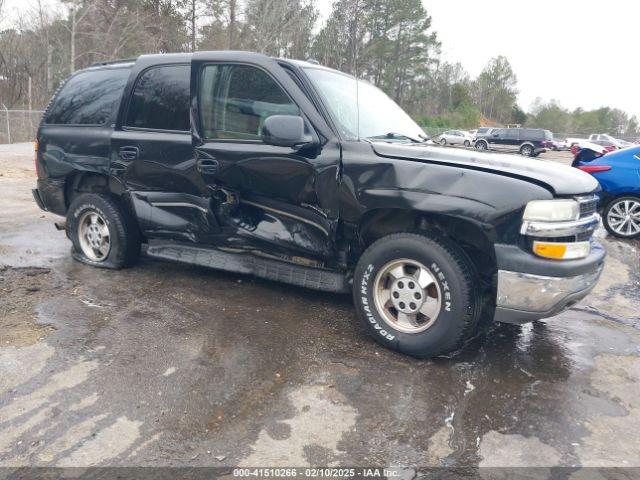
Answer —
392 135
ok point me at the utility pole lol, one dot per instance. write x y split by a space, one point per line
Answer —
72 63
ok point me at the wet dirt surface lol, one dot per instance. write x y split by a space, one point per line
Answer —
166 364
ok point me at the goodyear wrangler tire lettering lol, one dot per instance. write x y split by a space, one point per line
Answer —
416 294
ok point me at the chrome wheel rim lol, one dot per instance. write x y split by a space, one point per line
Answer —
93 235
481 146
443 142
624 217
527 151
407 296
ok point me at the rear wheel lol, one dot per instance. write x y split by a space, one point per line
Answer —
467 143
417 294
622 217
527 150
102 232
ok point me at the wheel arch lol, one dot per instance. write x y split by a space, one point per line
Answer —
91 182
468 233
530 144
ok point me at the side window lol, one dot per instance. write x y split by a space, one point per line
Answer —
499 132
512 134
160 99
235 100
88 98
537 135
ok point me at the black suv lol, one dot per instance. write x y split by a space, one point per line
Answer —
529 142
241 162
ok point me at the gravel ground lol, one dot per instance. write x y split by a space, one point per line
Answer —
172 365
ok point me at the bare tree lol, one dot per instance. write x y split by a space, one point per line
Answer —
78 13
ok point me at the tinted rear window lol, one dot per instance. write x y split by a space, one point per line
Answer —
88 98
160 99
533 134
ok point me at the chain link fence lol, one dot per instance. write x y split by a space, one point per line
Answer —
19 125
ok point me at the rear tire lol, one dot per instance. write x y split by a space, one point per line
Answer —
615 219
527 151
467 143
417 294
103 233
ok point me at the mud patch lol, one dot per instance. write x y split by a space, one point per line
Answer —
21 290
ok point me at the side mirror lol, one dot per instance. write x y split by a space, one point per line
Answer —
495 135
285 131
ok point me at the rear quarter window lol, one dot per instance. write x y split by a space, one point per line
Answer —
88 98
533 134
160 99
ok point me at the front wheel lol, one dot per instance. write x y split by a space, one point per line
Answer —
443 142
622 217
416 294
481 145
103 233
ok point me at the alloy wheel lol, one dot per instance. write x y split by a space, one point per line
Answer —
93 234
624 217
407 296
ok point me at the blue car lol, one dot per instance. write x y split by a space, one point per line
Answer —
619 175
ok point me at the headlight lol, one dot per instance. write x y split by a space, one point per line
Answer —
551 210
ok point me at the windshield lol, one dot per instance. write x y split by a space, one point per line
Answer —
380 117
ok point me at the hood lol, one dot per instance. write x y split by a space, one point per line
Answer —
559 179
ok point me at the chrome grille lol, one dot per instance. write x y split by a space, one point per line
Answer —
588 205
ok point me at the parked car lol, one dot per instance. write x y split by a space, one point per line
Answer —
619 176
454 137
529 142
482 131
559 145
280 169
606 141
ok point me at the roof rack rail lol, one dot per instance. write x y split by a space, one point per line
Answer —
112 62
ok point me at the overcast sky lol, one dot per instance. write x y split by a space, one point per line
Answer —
579 52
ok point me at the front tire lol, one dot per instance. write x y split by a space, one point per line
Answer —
443 142
103 233
621 217
417 294
481 145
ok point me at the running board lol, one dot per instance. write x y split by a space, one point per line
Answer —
270 269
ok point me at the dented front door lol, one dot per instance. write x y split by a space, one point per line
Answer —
278 200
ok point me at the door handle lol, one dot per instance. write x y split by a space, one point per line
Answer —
208 166
128 153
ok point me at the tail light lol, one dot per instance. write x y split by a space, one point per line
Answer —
35 158
595 168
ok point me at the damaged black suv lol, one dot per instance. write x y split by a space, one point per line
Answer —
288 171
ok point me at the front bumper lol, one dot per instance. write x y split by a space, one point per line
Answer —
527 294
